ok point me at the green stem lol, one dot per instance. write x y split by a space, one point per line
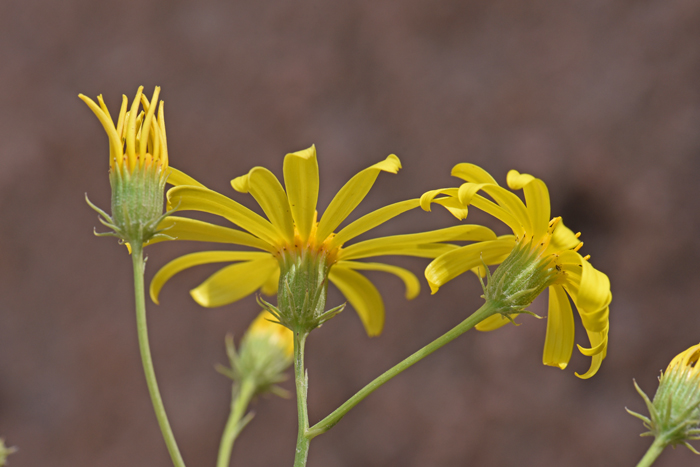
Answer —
142 329
301 380
241 396
653 452
327 423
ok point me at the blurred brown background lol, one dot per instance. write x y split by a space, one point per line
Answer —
600 99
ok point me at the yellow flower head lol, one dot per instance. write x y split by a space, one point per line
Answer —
675 411
138 163
548 242
291 237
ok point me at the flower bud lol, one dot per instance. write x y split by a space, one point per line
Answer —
138 167
675 410
264 354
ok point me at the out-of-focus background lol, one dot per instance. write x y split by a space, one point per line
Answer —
600 99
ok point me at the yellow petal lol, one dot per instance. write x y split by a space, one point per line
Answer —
177 178
183 228
235 282
384 245
538 207
596 338
272 283
362 295
563 238
268 192
429 196
450 265
192 198
472 173
354 191
492 323
195 259
372 220
516 180
409 279
454 207
559 342
301 180
510 209
589 288
115 142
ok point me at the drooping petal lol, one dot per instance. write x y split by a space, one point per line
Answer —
428 197
516 180
177 178
372 220
301 180
472 173
192 198
354 191
381 246
589 288
453 206
183 228
362 295
268 192
450 265
195 259
559 342
596 338
409 279
235 282
492 323
538 206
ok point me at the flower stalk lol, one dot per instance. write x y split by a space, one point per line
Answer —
146 359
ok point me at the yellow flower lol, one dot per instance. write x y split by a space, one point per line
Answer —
291 232
547 241
138 166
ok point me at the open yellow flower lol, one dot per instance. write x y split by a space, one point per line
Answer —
291 231
547 241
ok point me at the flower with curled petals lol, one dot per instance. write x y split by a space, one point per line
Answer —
300 254
541 253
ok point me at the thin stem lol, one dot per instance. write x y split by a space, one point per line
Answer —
301 380
142 329
241 396
327 423
653 452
